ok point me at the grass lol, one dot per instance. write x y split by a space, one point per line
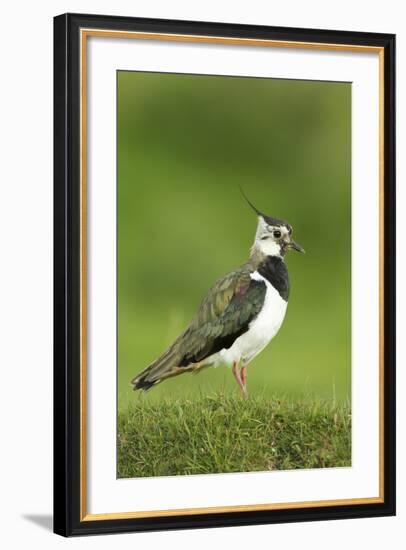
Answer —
221 434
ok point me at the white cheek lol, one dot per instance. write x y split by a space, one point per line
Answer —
269 247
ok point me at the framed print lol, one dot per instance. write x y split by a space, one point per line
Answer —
207 372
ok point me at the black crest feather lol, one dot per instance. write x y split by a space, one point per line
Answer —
269 219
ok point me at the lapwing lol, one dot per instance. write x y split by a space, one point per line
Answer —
239 316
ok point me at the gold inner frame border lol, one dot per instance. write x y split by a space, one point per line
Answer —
84 34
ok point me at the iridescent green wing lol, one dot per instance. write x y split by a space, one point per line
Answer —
225 313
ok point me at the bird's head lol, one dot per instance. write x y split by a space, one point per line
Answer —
273 236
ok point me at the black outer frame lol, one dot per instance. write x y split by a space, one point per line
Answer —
67 275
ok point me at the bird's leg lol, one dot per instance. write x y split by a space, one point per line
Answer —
243 373
237 375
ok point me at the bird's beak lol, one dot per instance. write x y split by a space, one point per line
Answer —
295 246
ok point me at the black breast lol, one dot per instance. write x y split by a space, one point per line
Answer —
273 268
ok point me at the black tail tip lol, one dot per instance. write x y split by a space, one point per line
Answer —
142 384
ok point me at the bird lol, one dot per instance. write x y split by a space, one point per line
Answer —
239 316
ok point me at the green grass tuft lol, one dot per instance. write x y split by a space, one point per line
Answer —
227 434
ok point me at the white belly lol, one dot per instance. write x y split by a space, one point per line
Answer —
261 330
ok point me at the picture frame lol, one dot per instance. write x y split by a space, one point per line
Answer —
73 208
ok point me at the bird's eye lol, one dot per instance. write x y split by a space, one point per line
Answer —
276 234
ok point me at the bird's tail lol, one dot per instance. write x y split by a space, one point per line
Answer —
166 366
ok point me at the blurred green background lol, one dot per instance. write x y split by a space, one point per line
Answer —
185 144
